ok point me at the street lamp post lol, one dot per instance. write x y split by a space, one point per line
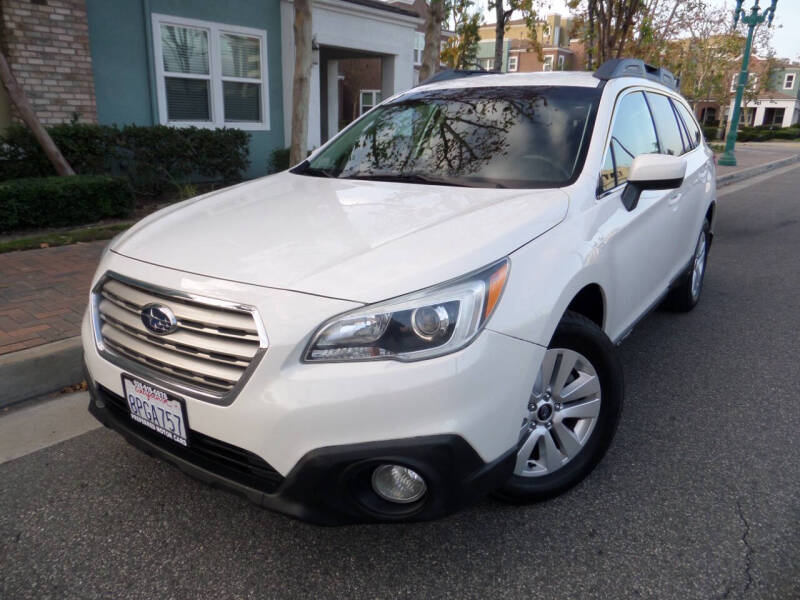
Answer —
756 17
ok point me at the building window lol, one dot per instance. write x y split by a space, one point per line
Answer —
419 47
788 81
513 62
487 64
561 63
368 99
209 74
752 82
548 63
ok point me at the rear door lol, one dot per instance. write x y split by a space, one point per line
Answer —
674 140
698 184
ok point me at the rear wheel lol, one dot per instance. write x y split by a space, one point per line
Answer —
572 412
685 296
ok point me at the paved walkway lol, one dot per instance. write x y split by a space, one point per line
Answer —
43 294
751 154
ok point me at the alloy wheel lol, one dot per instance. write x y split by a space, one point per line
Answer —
562 413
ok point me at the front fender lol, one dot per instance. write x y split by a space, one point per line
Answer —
545 277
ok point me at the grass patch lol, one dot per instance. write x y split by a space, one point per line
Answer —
64 238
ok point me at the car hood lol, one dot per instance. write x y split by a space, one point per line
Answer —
349 239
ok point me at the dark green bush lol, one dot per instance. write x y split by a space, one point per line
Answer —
278 160
155 159
764 133
711 133
63 201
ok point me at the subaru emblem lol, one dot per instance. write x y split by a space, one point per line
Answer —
159 319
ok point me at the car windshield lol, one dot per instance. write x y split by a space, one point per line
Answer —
516 137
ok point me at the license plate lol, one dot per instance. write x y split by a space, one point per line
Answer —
156 409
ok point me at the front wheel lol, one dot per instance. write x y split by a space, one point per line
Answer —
572 413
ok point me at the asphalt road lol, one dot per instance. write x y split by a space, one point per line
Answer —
699 496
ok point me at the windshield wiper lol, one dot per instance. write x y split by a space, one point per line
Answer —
305 168
408 178
426 179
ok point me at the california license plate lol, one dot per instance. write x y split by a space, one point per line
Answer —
156 409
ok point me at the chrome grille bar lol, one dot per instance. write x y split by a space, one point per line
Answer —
210 354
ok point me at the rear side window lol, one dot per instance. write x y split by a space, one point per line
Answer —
695 135
632 135
669 133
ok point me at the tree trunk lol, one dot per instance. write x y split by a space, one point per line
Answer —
499 34
301 89
17 95
433 35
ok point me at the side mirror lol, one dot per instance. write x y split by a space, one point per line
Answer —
652 172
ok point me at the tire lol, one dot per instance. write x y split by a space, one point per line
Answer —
686 294
542 472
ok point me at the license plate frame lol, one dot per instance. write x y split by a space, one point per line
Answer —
152 408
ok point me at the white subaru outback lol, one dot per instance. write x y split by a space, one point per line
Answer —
424 311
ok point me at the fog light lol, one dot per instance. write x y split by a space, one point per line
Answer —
396 483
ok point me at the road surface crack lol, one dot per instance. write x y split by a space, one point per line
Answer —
748 554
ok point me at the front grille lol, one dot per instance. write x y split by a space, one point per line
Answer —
221 458
213 346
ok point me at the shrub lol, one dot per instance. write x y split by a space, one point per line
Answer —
711 133
62 201
154 159
278 160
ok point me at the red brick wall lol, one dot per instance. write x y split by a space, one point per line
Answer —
47 45
359 74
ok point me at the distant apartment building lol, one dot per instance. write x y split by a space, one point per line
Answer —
520 54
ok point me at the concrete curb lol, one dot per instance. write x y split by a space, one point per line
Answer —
40 370
44 369
737 176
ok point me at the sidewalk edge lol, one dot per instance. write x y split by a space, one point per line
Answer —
737 176
40 370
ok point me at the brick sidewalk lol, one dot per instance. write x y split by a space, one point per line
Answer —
43 294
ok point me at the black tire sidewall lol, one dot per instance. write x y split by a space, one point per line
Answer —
583 336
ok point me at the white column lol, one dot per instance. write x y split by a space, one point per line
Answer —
314 110
388 71
333 98
759 117
788 114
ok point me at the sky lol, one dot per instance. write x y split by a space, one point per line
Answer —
785 27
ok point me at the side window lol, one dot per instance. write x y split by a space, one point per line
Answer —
632 135
667 126
695 135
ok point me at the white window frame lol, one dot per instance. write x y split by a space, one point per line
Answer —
215 77
547 65
375 101
561 61
788 81
487 64
419 47
513 62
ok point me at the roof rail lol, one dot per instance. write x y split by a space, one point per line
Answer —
636 67
453 74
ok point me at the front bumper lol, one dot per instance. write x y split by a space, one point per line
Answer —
328 486
456 417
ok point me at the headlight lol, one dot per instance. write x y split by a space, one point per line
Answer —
428 323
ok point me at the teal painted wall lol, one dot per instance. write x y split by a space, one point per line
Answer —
122 59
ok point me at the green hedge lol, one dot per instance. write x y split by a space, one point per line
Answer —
63 201
763 133
155 159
